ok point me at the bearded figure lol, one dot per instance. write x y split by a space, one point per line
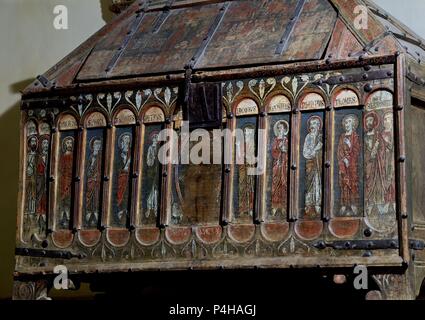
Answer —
280 167
42 163
93 182
312 152
348 155
124 162
65 186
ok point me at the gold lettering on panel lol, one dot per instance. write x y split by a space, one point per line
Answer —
312 101
153 115
380 100
246 107
124 117
68 122
96 120
278 104
346 98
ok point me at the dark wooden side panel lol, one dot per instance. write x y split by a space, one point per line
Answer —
416 152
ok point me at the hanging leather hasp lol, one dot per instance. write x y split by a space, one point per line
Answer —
203 105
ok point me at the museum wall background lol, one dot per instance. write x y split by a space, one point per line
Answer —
29 46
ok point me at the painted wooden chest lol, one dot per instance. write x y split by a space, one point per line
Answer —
136 149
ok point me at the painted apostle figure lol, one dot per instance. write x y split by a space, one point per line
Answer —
30 182
152 176
389 165
65 187
42 160
247 180
374 183
93 182
348 160
312 152
280 167
124 161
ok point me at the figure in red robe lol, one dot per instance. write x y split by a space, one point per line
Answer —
65 186
124 145
42 161
348 160
93 182
280 168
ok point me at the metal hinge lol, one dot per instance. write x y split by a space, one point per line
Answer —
47 253
44 81
358 244
415 244
359 77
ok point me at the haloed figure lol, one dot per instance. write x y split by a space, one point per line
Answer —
93 182
152 176
66 171
280 167
124 145
42 183
30 182
348 161
374 183
312 152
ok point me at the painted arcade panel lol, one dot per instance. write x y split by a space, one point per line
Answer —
312 123
37 165
66 171
312 146
121 178
122 162
379 158
150 200
364 162
93 170
244 155
348 163
416 117
360 176
196 188
277 163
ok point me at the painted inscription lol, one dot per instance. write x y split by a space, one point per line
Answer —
124 117
95 120
346 98
312 101
246 107
68 122
279 104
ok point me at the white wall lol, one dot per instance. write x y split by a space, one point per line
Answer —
29 45
410 12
